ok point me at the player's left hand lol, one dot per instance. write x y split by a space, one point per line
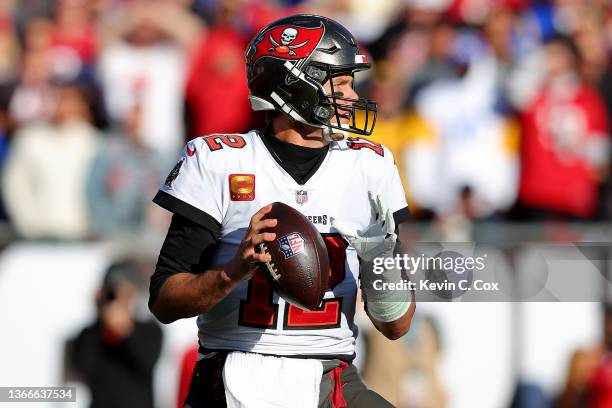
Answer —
378 240
246 260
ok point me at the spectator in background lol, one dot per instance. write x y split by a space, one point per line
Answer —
595 68
73 45
466 144
74 31
407 372
588 376
144 59
116 354
9 63
599 388
565 142
26 10
605 87
30 98
44 177
51 51
440 64
393 120
216 92
422 384
366 19
9 47
124 176
418 38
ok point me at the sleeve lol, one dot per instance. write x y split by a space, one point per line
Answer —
192 189
392 190
188 247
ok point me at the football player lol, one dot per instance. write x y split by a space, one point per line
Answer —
256 350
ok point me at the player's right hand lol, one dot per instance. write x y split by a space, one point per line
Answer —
244 263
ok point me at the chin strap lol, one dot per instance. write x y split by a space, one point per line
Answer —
334 135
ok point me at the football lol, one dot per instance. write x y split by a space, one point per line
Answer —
299 268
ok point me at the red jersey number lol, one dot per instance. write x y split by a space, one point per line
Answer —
258 310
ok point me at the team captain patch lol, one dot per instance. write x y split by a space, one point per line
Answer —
242 187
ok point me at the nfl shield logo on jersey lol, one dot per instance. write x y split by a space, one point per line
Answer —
291 244
301 196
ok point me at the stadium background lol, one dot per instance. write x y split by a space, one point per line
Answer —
497 113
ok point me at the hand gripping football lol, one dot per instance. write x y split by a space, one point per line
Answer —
299 268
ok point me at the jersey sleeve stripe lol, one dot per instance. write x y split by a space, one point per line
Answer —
176 206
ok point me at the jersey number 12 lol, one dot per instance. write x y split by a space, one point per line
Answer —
259 310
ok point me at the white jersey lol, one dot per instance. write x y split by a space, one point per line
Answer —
230 177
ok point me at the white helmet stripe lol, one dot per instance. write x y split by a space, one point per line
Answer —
287 109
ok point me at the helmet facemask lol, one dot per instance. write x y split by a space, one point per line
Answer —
289 62
363 111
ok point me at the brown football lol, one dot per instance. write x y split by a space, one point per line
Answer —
299 269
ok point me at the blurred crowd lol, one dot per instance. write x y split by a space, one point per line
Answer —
498 110
494 109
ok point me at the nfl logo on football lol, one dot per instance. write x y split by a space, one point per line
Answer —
301 196
291 244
